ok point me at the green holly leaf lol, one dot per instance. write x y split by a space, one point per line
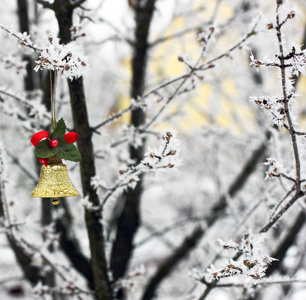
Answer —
68 152
61 143
43 149
59 130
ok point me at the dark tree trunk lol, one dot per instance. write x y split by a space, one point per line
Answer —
63 10
129 219
70 245
24 26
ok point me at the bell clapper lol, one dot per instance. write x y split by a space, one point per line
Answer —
55 201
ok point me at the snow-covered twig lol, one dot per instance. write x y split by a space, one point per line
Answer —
166 157
36 110
185 77
73 289
262 282
23 39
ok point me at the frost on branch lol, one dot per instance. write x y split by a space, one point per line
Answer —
252 262
298 60
166 156
130 281
24 39
275 168
61 58
274 105
155 160
42 291
15 64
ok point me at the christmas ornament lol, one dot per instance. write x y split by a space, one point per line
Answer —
51 148
54 181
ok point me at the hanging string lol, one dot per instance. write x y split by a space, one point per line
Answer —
55 200
53 97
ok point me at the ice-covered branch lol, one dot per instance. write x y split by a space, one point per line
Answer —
70 288
203 67
281 109
57 57
253 263
262 282
61 58
36 108
23 39
165 157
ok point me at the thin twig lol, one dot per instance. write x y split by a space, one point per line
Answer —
177 34
53 266
113 117
268 226
16 161
282 200
21 41
203 67
23 101
272 282
286 101
118 31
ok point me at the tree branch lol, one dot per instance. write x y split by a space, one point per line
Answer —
71 247
22 257
77 3
129 219
44 3
103 291
167 267
287 242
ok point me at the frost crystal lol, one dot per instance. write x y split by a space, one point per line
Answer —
166 155
62 58
96 182
86 203
251 263
272 104
298 60
274 168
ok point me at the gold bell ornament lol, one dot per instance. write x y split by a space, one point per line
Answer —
54 181
51 148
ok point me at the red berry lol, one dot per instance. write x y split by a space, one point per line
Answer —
53 143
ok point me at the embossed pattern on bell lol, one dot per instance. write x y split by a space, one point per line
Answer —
54 182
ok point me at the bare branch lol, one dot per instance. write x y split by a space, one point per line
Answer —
286 102
22 41
23 101
163 271
44 3
186 76
61 274
118 31
16 161
177 34
77 3
113 117
281 212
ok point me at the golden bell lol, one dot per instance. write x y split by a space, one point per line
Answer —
54 181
